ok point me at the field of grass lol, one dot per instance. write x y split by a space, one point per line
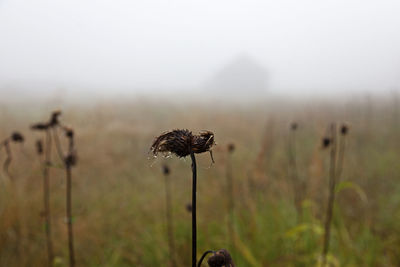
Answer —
118 189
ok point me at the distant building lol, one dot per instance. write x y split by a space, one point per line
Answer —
242 76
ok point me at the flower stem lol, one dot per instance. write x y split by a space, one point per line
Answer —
69 218
46 198
331 198
194 223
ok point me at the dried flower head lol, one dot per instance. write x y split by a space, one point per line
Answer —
17 137
165 169
39 147
231 147
40 126
294 126
344 129
183 142
54 118
326 141
189 207
69 132
221 258
71 159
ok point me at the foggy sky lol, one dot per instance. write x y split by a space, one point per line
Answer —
116 46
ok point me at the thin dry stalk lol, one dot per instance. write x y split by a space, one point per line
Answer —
229 189
297 184
70 160
46 198
194 209
15 137
331 196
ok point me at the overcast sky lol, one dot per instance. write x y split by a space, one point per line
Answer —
316 46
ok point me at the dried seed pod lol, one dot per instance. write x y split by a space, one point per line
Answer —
17 137
344 129
71 159
183 142
69 132
54 118
39 147
189 207
231 147
326 141
221 258
165 169
40 126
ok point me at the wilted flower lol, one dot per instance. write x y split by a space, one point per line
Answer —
39 147
231 147
54 118
294 126
221 258
165 169
344 129
183 142
40 126
71 159
189 207
69 132
17 137
326 141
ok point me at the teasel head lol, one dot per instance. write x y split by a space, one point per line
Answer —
189 207
54 118
344 129
17 137
294 126
221 258
39 147
165 169
231 147
69 132
71 159
40 126
183 142
326 142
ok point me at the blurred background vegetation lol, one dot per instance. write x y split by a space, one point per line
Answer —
119 195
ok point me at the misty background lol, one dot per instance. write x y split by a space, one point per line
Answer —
121 47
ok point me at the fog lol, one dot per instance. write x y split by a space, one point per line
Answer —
135 47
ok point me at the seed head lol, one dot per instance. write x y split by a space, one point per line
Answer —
294 126
17 137
344 129
221 258
39 147
165 169
231 147
54 118
183 142
69 132
40 126
189 207
326 141
71 159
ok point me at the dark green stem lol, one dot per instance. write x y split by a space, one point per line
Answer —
194 222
